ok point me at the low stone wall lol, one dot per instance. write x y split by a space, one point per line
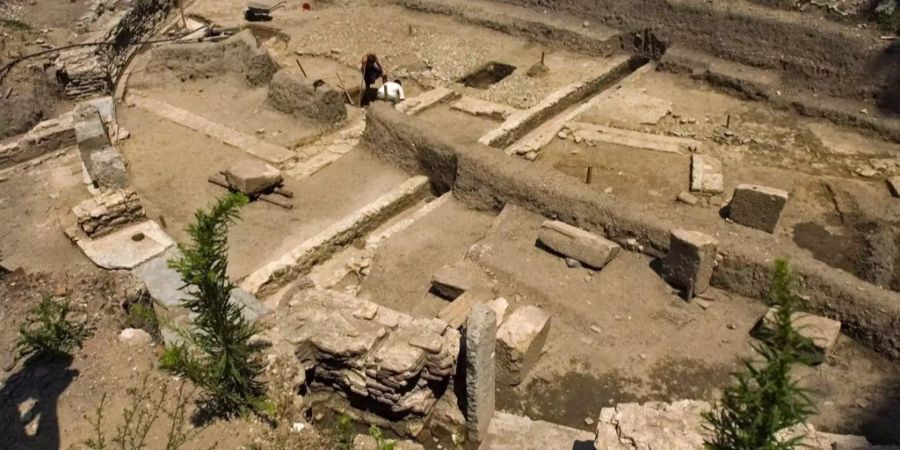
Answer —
239 54
294 94
93 70
108 212
384 361
487 179
45 137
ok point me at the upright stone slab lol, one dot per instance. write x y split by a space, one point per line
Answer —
706 175
690 261
452 281
586 247
757 206
107 169
481 341
519 343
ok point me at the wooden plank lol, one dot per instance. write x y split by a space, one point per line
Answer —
457 311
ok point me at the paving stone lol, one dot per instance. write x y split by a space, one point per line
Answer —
630 426
757 206
481 342
425 100
822 331
519 343
586 247
894 185
690 261
706 175
451 281
252 177
510 432
482 108
127 247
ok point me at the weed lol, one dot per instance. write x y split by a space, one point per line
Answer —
765 399
143 317
47 330
380 441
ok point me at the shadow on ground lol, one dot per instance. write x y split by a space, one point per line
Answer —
29 400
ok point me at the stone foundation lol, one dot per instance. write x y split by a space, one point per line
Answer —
108 212
45 137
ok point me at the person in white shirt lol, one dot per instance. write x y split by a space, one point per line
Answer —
392 92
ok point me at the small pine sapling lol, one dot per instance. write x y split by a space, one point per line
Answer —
765 399
48 331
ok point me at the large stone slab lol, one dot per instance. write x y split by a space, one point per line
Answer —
630 426
483 108
822 331
586 247
127 247
252 177
596 134
519 343
706 175
690 261
107 169
425 100
509 432
757 206
451 281
481 342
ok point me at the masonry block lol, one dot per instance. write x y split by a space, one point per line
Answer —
586 247
520 341
107 169
690 261
757 206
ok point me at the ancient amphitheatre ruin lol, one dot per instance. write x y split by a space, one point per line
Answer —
562 238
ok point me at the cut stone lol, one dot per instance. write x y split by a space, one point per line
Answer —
706 175
452 281
757 206
510 432
676 426
483 108
894 185
458 310
91 136
586 247
253 177
121 249
107 169
519 343
690 261
481 342
821 330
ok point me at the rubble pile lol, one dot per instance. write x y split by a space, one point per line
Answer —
356 348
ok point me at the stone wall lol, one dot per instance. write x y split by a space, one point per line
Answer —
109 211
489 179
94 70
384 361
294 94
45 137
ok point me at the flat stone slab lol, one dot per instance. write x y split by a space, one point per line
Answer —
252 177
894 185
425 100
519 343
629 107
510 432
630 426
757 206
586 247
127 247
706 175
483 108
822 331
451 281
594 134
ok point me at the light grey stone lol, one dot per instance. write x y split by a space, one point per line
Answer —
253 177
107 169
481 341
135 336
690 261
586 247
757 206
510 432
452 281
706 175
688 198
91 136
519 343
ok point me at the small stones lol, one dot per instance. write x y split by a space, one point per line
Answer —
572 263
135 336
687 197
822 331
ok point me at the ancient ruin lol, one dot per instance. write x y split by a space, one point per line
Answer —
545 225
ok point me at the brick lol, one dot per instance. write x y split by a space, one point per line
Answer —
586 247
690 261
757 206
520 341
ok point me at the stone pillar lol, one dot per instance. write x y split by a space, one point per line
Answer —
481 340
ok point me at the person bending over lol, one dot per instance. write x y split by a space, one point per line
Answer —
371 71
392 91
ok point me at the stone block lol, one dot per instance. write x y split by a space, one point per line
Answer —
586 247
690 261
91 136
452 281
757 206
706 175
481 342
253 177
107 169
821 330
894 185
630 426
520 341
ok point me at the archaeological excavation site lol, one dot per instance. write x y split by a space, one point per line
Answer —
450 224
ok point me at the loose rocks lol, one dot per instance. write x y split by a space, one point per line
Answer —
586 247
757 206
519 343
690 261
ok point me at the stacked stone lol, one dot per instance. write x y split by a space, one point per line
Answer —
109 211
352 346
45 137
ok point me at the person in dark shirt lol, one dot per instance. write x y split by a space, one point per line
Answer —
371 71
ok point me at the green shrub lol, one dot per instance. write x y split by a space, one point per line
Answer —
143 317
380 441
765 399
216 354
47 330
344 432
